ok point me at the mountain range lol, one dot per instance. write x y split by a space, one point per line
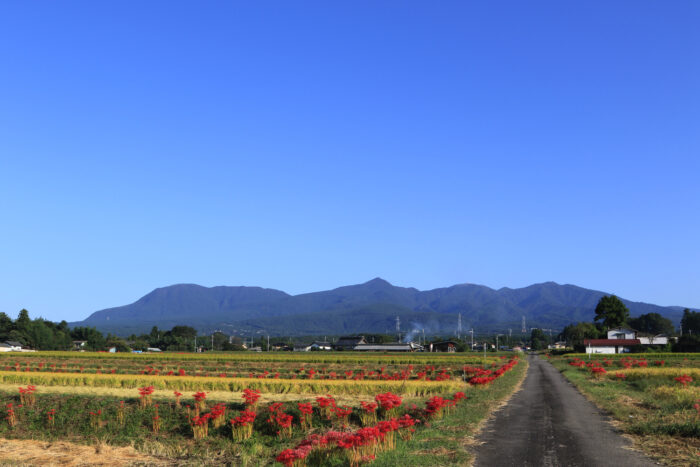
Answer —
371 307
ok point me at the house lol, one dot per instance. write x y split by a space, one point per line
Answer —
10 346
660 339
153 349
557 345
443 346
349 342
392 347
608 346
79 345
316 345
281 347
620 340
622 333
319 345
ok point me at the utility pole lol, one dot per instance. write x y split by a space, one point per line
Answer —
212 341
471 331
423 337
268 342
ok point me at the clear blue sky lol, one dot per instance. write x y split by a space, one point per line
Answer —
308 145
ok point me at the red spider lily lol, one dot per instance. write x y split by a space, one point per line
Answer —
200 425
326 405
50 417
200 402
280 421
96 419
251 396
11 417
620 376
218 415
342 414
177 395
26 395
684 379
145 394
388 402
156 420
307 411
242 426
659 362
368 416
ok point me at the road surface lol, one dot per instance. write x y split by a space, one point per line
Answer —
549 423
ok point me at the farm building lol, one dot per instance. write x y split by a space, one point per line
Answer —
316 345
10 346
443 346
349 342
392 347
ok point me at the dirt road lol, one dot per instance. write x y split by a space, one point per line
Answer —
549 423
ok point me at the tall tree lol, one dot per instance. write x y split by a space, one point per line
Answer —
690 322
574 334
611 311
652 323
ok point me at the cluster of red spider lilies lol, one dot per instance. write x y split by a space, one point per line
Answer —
363 444
426 373
482 376
684 379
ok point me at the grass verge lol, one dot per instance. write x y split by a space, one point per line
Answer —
446 442
655 413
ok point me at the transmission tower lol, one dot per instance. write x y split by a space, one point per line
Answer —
398 328
523 328
459 326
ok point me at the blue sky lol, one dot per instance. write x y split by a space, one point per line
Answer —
308 145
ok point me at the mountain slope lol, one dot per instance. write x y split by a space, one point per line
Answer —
368 307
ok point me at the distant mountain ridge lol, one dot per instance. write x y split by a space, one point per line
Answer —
368 307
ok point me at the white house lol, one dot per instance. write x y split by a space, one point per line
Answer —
622 333
10 346
609 345
318 345
661 339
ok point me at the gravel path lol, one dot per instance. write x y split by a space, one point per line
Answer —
549 423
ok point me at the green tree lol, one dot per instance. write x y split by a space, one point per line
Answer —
652 323
118 343
574 334
538 339
6 325
611 312
690 322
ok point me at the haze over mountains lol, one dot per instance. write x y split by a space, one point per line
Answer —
368 307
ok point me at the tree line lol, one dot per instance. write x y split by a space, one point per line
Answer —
611 313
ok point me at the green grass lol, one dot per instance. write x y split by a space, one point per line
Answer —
446 442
